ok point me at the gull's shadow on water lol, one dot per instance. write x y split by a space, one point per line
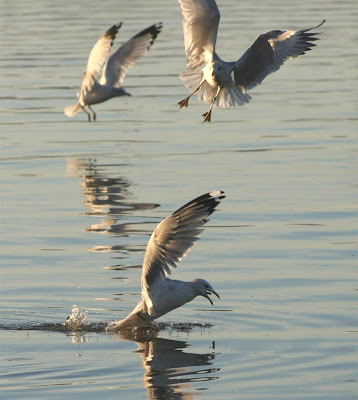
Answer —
169 370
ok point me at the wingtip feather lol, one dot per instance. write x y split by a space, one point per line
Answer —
152 30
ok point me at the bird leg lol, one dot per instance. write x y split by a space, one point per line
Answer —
94 114
207 115
185 102
88 114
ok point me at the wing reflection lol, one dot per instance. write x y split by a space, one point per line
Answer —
104 194
169 372
108 196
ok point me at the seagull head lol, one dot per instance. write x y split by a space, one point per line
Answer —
220 73
203 288
120 92
218 69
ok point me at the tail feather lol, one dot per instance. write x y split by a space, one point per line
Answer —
230 96
71 111
132 321
192 79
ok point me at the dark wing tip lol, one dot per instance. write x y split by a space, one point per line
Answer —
209 200
152 30
320 24
315 27
112 31
306 38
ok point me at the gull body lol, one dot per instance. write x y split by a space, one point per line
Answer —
101 93
170 241
225 84
104 74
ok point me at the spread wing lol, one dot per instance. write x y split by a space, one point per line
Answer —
121 60
97 57
174 236
201 21
268 52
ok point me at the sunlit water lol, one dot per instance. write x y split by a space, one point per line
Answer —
80 201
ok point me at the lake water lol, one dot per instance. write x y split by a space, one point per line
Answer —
80 200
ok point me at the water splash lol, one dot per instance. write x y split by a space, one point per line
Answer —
77 319
77 323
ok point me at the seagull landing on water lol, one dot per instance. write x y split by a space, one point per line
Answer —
224 84
170 241
115 68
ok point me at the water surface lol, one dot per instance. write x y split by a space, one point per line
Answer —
80 201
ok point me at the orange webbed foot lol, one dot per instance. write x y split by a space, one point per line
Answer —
207 116
184 103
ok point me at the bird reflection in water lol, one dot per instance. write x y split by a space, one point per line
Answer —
107 195
170 371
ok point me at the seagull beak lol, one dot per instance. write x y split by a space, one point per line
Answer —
211 292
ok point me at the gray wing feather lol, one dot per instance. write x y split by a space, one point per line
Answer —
97 57
268 52
201 21
174 236
122 59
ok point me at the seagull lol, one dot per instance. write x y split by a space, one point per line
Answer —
168 244
114 69
225 84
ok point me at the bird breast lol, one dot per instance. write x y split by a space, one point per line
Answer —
216 74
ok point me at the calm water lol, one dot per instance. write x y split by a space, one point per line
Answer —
80 201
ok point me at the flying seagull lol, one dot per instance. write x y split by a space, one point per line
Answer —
169 243
225 84
115 68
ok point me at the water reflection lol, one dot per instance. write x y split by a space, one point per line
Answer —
109 196
78 337
169 370
104 194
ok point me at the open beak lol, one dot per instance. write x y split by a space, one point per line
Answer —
211 292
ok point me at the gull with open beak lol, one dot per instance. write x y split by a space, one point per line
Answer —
169 243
